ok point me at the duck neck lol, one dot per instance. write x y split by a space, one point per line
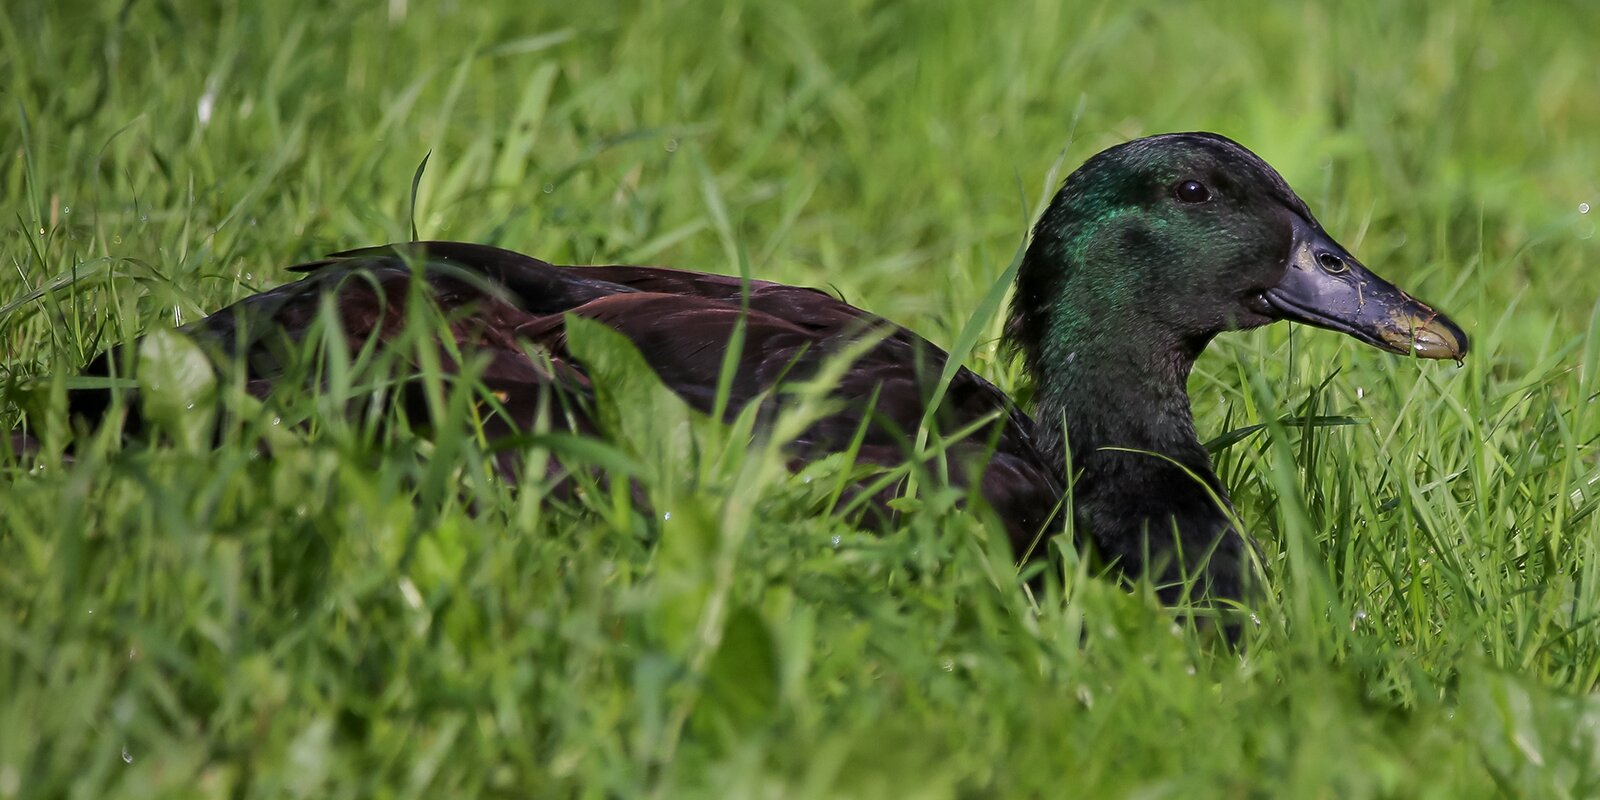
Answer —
1099 392
1116 414
1112 412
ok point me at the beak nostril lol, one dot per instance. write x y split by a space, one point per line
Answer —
1332 264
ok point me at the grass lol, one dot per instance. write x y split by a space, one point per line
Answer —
348 619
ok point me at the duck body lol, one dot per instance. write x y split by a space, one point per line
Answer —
1149 250
512 310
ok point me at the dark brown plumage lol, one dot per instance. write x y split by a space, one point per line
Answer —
512 309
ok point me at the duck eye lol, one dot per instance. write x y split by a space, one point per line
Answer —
1192 192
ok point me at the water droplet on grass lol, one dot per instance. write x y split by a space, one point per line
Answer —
127 757
1583 208
549 187
672 145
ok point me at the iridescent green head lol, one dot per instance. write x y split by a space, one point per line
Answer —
1171 239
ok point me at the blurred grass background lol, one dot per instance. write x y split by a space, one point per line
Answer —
345 619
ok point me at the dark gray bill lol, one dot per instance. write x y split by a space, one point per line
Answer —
1327 287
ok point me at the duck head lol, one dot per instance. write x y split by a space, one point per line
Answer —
1178 237
1150 250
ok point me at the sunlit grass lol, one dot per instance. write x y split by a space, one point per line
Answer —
370 611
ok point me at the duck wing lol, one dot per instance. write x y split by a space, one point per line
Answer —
512 309
790 333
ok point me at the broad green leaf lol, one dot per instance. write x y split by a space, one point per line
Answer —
177 386
742 678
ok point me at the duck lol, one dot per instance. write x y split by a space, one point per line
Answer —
1149 250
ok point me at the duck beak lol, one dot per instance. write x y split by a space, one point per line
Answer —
1327 287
